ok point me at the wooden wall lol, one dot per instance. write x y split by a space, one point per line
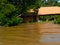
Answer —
28 19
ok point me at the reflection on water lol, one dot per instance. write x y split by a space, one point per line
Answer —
50 38
30 34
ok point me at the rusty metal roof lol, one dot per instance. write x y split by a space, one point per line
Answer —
30 11
49 10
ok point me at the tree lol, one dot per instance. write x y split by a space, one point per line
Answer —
48 2
8 13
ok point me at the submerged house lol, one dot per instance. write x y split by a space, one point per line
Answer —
48 11
42 11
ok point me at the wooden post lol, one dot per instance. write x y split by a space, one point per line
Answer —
47 20
37 17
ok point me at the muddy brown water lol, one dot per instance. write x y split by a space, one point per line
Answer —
31 34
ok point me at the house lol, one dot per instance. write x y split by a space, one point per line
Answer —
42 11
45 11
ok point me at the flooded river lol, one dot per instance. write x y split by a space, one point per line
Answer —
31 34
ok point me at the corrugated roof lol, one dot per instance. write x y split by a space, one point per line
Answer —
30 11
48 10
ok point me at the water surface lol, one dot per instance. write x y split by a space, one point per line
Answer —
31 34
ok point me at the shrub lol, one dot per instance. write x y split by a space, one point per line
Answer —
13 21
57 20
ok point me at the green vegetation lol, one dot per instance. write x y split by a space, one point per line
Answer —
54 18
10 9
8 14
57 19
